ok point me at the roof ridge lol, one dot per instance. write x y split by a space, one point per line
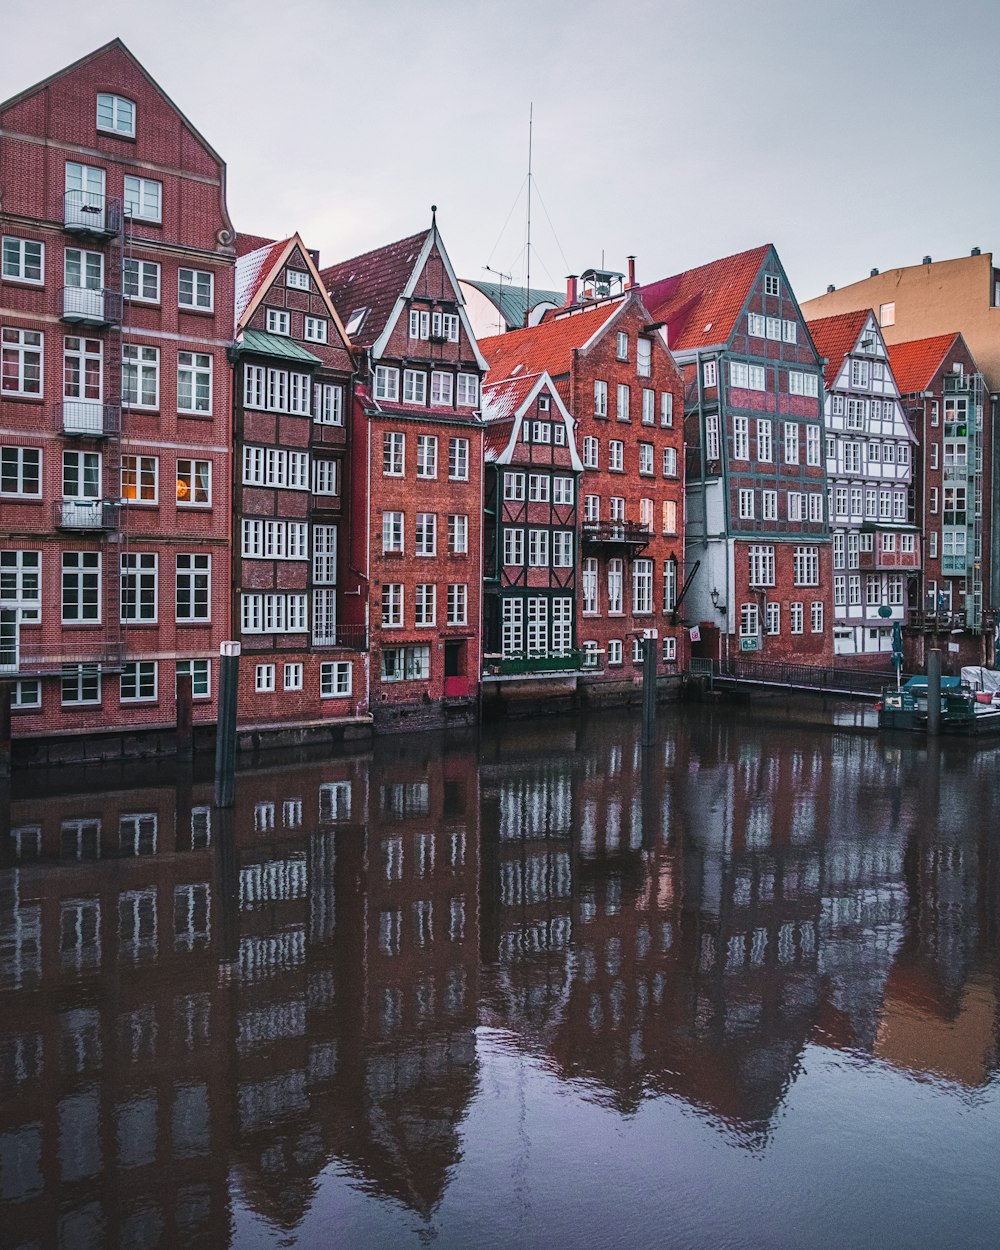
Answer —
373 251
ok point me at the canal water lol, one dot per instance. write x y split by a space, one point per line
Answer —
536 988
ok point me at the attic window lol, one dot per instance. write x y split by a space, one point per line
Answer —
297 278
355 321
544 403
116 115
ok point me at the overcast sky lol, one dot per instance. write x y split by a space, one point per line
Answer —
850 134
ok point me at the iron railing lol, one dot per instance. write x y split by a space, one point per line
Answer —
90 418
805 676
349 637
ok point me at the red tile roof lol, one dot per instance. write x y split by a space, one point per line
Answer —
547 346
252 271
836 336
915 363
251 243
700 306
374 281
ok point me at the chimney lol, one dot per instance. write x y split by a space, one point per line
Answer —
830 289
631 271
873 274
976 251
927 260
571 295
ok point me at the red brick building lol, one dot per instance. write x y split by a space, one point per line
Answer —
531 533
943 396
613 371
116 297
414 569
292 392
756 478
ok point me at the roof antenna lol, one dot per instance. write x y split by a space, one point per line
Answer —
500 317
527 293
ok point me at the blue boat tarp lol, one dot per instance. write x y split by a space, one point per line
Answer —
919 684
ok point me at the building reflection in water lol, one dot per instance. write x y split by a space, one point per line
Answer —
197 1004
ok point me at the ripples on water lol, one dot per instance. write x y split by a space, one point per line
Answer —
535 989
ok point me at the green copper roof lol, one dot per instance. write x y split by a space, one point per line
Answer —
513 300
276 345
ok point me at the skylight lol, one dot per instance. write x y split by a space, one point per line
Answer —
354 322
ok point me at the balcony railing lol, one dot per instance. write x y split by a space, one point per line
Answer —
87 212
956 472
87 306
90 418
21 658
525 665
954 564
627 532
86 514
350 637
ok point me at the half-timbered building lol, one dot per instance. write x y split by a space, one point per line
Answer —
757 523
530 532
869 465
291 395
415 562
611 367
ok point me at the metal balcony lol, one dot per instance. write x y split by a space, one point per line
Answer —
89 418
618 533
19 658
86 514
552 664
83 306
349 637
86 212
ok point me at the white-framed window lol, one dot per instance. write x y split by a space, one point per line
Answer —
591 508
292 676
643 356
669 585
513 547
616 505
563 490
839 592
539 486
745 499
392 605
712 443
805 565
425 604
22 260
427 456
637 651
467 391
710 373
615 651
749 620
796 613
298 279
442 388
765 440
769 505
907 543
772 617
420 323
444 326
616 456
648 406
328 404
116 115
669 509
755 325
670 462
264 678
815 505
80 683
193 595
761 557
393 454
139 682
773 328
414 386
669 650
386 383
772 284
621 345
458 459
200 672
140 376
860 372
458 534
458 603
143 198
139 587
642 586
273 613
741 438
196 289
802 383
790 432
591 452
816 616
324 555
562 549
392 532
21 584
646 459
600 398
194 483
790 333
279 321
796 505
141 280
513 486
666 409
615 586
813 445
316 329
538 548
426 534
589 577
21 362
81 587
591 654
194 382
335 679
624 398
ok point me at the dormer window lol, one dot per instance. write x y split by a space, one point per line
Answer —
116 115
444 327
278 322
297 278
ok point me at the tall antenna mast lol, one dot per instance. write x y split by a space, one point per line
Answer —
527 296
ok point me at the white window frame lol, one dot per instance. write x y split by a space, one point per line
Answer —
123 115
196 290
143 198
15 265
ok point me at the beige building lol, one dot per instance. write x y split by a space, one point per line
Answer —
934 297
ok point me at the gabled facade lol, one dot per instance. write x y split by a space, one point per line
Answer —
756 475
619 382
415 563
870 450
116 296
530 530
943 395
292 394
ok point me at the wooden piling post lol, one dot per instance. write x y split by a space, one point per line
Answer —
5 728
225 731
934 692
649 689
185 721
